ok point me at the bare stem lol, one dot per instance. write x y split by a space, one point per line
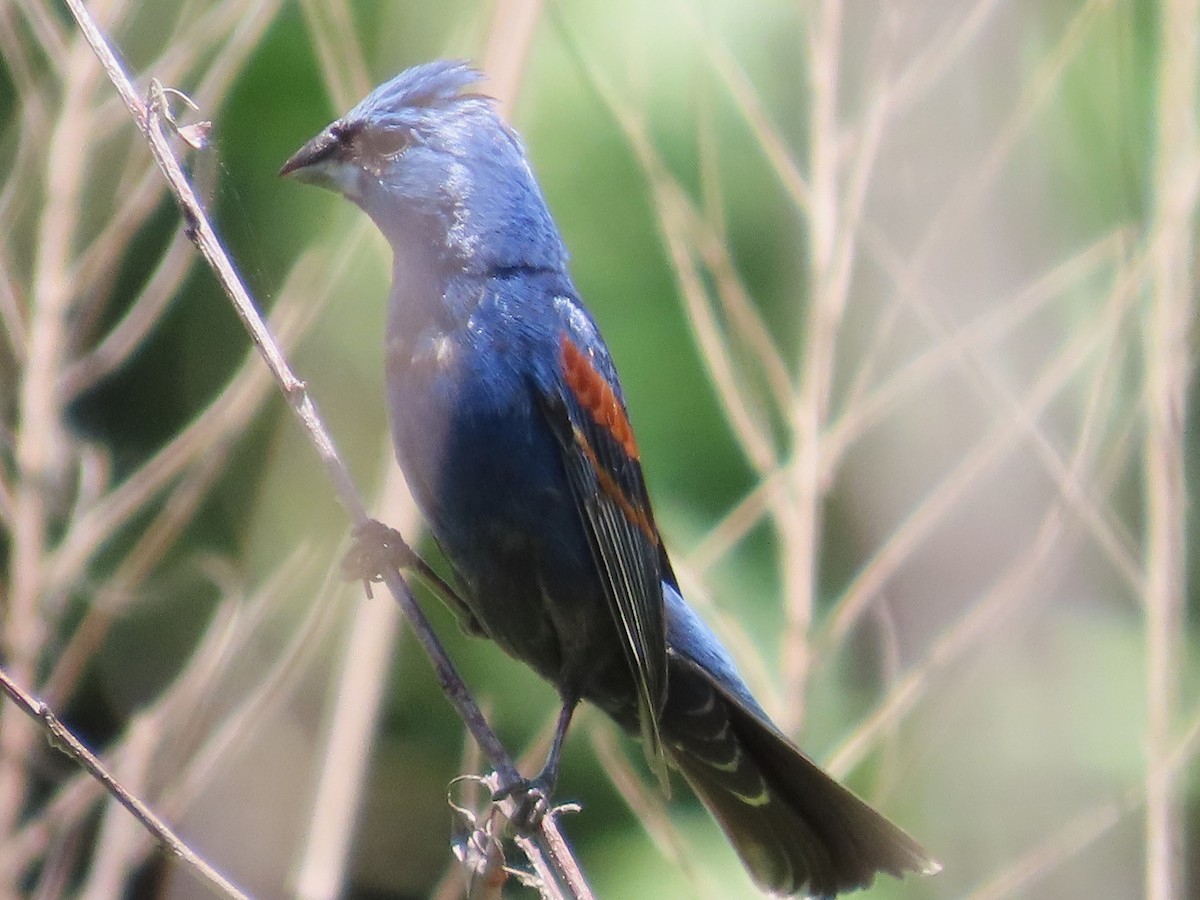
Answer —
1167 377
353 711
800 524
40 441
546 848
62 738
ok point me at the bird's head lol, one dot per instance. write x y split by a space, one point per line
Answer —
437 170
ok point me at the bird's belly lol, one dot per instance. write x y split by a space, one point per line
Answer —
488 477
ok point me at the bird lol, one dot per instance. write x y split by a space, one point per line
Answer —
511 428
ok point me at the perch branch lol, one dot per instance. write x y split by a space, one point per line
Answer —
546 848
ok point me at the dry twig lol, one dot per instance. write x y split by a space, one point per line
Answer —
546 848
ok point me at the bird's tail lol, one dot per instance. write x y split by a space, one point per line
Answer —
795 828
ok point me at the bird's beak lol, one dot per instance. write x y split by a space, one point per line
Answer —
311 162
327 162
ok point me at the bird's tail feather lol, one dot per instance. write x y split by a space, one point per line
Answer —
795 828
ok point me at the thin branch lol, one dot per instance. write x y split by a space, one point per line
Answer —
116 853
12 304
40 436
1011 594
945 49
144 313
999 440
112 597
800 521
1082 830
1073 837
306 291
648 807
510 35
6 502
135 193
677 218
62 738
1168 374
1109 532
231 630
220 38
739 306
866 406
746 420
748 104
224 418
973 185
330 27
351 715
546 848
45 27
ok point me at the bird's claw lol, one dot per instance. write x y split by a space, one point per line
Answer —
375 548
532 799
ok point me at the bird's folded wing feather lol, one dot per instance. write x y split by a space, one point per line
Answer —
601 461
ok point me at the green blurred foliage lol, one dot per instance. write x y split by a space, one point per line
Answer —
1090 144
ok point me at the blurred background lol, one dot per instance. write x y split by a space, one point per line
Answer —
901 294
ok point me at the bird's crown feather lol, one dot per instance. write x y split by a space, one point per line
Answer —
429 86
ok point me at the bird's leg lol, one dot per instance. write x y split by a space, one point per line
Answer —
537 791
376 546
548 777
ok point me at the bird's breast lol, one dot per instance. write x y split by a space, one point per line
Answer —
468 438
487 471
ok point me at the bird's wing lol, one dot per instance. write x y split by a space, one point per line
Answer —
588 417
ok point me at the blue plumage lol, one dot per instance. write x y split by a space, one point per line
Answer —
510 425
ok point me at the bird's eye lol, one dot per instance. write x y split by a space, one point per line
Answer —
343 133
384 142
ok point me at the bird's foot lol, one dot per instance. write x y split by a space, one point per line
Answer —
375 547
532 799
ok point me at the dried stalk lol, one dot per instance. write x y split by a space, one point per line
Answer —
559 872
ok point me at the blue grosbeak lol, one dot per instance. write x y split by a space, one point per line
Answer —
510 425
